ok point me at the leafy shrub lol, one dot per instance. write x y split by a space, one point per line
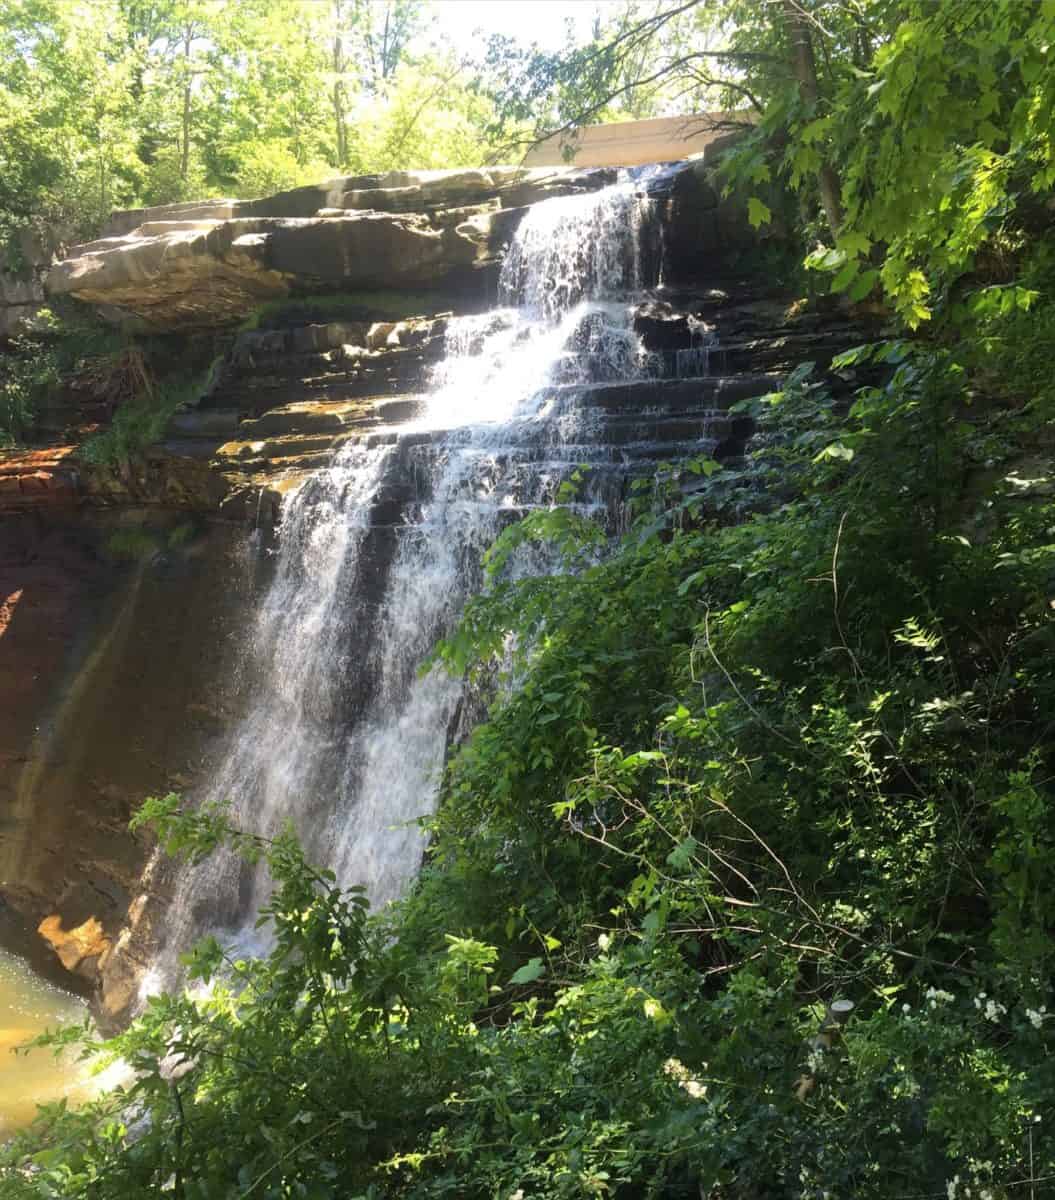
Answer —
67 349
1015 332
30 371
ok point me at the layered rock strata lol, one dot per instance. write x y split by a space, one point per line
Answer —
204 265
208 264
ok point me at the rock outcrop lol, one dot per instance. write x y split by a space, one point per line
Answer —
21 298
208 264
78 949
116 668
22 270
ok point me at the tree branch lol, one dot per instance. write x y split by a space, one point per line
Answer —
582 116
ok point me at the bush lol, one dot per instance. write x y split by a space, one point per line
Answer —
30 372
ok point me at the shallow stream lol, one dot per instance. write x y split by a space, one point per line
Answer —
30 1004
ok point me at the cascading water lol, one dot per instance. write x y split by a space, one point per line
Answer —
379 551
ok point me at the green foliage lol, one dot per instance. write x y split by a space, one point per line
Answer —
117 104
141 420
643 60
1014 325
915 134
144 382
932 121
785 742
30 373
37 365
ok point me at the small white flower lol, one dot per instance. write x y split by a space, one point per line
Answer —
952 1187
906 1008
681 1074
517 1195
936 996
675 1069
1035 1017
985 1194
994 1011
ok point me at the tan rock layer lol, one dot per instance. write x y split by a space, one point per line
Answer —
75 947
210 263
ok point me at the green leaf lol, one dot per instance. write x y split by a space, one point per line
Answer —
757 213
846 276
533 969
853 356
825 259
853 243
836 450
863 286
680 858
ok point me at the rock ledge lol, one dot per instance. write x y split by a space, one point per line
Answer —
208 263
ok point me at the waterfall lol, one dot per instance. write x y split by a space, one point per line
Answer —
379 551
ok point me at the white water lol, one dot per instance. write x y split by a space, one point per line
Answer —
343 738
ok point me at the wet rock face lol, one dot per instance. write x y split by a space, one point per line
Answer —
116 631
208 264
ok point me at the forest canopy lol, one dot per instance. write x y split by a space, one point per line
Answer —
120 103
108 104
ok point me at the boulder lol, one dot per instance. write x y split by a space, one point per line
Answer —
365 250
182 274
79 949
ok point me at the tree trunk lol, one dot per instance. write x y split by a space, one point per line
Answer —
184 164
298 145
384 42
805 67
102 176
338 88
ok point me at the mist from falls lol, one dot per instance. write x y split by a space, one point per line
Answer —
379 551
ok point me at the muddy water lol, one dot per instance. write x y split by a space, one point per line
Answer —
28 1006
